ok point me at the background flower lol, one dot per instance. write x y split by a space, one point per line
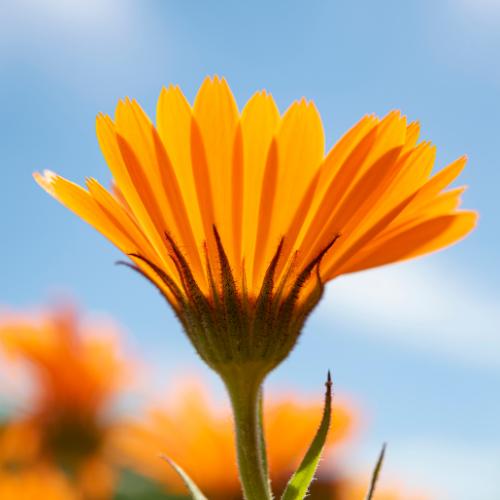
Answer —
65 425
64 439
195 431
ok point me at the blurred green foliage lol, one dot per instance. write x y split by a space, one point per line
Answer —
135 487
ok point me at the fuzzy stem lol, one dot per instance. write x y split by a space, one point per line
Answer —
244 390
263 450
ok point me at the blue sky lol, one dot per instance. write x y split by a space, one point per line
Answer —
417 344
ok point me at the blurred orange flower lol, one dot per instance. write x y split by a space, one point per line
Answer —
41 483
76 375
356 490
199 437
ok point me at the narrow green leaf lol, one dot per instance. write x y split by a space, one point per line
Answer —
195 492
376 472
298 485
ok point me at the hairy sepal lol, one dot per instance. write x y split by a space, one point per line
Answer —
264 301
231 303
228 327
289 337
287 313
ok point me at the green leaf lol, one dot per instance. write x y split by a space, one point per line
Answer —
376 472
195 492
298 485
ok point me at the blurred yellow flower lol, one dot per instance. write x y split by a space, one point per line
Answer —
196 433
76 374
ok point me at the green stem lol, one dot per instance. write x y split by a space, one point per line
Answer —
263 450
244 392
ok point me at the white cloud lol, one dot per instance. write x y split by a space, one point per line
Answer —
482 11
94 46
75 11
435 468
83 26
464 34
458 471
417 305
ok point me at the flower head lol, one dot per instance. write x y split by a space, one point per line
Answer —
75 379
231 214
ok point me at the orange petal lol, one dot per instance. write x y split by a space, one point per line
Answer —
121 220
429 236
269 188
391 134
259 121
339 153
336 259
173 119
412 170
440 181
217 116
237 187
412 133
105 215
203 187
444 204
373 183
336 191
108 141
154 178
301 147
82 203
300 150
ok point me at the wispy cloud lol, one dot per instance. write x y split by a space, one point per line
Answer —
79 24
89 45
448 466
477 11
418 305
434 467
464 34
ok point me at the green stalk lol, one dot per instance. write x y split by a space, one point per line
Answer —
244 390
263 450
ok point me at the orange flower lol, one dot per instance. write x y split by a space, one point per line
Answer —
39 484
231 214
197 434
203 200
76 378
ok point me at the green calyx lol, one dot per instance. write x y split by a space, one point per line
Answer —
227 327
243 339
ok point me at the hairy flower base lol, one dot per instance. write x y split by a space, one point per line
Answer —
228 328
242 339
